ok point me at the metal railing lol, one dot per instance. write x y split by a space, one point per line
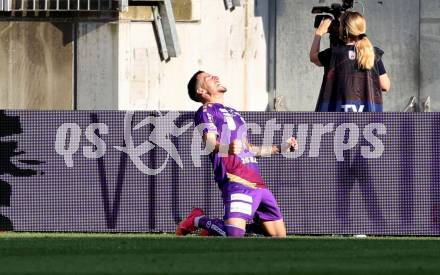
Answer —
164 22
165 26
62 5
231 4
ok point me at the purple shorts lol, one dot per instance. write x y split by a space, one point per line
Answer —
248 203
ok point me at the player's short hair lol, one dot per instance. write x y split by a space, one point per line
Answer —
192 87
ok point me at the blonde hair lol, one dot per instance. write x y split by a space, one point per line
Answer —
354 27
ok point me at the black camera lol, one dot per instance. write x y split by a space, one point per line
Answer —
336 10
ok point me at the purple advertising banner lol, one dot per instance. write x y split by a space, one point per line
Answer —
114 171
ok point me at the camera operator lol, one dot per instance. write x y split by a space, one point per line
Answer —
354 75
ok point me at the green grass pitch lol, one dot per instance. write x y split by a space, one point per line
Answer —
54 253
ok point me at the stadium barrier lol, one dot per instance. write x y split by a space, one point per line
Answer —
113 171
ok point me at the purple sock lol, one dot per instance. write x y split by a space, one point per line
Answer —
215 227
233 231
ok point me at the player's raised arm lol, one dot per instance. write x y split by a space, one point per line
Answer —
263 151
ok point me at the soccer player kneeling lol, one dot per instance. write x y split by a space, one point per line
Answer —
245 195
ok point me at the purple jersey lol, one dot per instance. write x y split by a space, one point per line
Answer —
229 126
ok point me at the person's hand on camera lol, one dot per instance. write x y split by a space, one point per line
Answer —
323 27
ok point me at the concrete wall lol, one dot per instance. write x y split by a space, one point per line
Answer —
229 44
394 26
429 53
97 66
36 70
118 64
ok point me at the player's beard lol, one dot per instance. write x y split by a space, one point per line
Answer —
222 89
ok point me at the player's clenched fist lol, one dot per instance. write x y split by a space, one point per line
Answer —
290 145
235 147
293 144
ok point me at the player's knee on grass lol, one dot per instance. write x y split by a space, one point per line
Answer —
233 231
235 227
275 228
